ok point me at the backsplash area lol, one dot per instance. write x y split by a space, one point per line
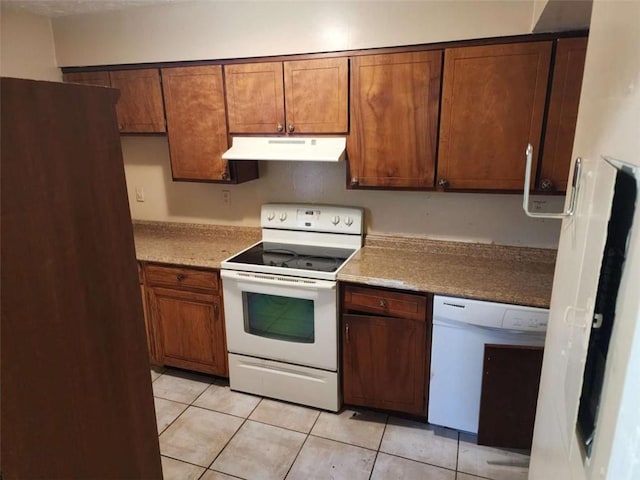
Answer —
470 217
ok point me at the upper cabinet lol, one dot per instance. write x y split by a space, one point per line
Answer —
88 78
306 96
493 101
562 114
394 119
196 122
139 108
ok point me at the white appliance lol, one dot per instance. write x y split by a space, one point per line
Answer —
302 149
281 304
461 328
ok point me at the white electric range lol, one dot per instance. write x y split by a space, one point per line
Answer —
281 303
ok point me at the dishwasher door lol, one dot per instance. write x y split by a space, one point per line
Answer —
457 354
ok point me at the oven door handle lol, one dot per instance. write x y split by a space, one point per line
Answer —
268 279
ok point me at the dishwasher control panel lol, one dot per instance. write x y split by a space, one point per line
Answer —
492 315
525 319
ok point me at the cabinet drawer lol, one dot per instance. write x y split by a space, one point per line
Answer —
181 277
382 302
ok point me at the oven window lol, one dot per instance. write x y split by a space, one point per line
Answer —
281 318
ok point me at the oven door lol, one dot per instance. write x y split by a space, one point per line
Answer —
281 318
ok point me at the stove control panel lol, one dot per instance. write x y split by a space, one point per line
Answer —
310 217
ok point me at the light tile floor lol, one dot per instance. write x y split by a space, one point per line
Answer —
208 432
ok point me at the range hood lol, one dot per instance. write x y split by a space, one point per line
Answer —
304 149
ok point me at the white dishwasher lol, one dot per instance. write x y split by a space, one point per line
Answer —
461 328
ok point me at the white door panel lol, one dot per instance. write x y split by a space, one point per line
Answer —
608 124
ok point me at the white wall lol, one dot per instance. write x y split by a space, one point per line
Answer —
244 29
26 46
227 29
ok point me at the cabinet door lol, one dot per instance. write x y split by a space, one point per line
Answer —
151 344
88 78
255 97
140 107
510 381
189 330
493 100
394 119
384 363
316 95
196 122
563 114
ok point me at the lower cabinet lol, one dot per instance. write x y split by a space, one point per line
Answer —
385 349
185 316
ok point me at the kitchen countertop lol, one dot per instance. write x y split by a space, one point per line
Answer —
497 273
190 244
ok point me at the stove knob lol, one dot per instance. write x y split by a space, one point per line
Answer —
348 221
335 220
271 215
283 216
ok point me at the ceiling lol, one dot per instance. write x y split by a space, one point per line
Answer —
62 8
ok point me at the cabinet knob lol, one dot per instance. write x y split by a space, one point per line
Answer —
383 304
443 182
180 277
354 181
225 176
279 127
546 185
291 128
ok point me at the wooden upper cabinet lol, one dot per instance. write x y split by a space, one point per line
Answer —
312 93
255 97
562 114
394 119
316 95
139 108
493 100
196 122
88 78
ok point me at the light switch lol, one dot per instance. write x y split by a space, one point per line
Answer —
139 194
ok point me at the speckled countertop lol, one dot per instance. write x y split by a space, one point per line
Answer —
487 272
190 244
516 275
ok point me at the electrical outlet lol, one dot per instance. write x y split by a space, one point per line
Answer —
226 198
139 194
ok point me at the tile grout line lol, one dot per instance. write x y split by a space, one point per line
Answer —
232 436
375 459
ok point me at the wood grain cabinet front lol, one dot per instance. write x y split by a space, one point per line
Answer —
197 126
304 96
385 355
139 108
394 120
493 102
562 115
185 310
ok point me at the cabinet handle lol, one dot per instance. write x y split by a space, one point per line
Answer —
354 181
215 310
443 182
279 127
180 277
346 332
546 185
383 304
225 176
291 128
